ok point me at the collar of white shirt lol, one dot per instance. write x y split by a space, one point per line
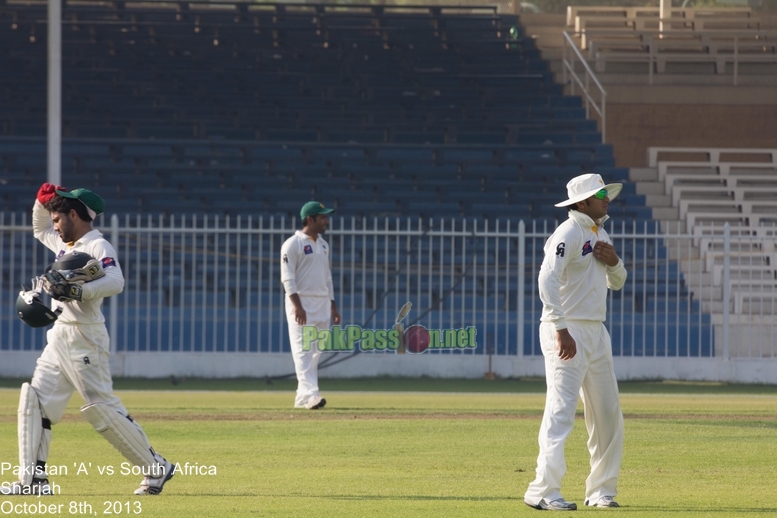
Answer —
586 220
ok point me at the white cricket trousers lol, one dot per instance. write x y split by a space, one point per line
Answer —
591 374
76 358
319 314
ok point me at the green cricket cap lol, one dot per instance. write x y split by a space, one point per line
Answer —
94 203
313 208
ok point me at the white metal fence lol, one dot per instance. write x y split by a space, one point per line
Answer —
203 285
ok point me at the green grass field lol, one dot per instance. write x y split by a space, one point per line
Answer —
393 447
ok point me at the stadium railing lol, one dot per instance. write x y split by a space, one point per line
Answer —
203 284
687 13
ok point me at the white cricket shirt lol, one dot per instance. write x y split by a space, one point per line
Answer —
87 311
305 266
573 283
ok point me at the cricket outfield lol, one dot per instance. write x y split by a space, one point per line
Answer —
691 450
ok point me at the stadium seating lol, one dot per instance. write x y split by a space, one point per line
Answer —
715 186
241 109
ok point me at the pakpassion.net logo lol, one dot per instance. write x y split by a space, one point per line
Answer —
414 339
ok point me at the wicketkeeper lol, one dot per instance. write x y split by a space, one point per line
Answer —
78 347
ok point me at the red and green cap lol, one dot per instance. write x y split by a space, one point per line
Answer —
313 208
93 203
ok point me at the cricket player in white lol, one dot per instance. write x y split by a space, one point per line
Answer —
76 356
580 265
310 297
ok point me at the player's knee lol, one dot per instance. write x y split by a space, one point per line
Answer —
51 415
51 412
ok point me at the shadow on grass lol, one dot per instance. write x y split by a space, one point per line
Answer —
421 384
702 511
419 498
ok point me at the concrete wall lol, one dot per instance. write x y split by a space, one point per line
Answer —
632 127
233 365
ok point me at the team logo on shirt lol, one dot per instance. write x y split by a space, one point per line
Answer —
587 248
560 249
108 261
308 249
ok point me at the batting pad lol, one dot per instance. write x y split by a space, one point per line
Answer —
122 432
30 430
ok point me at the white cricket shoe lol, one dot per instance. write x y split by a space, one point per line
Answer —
604 501
558 504
39 486
154 485
315 403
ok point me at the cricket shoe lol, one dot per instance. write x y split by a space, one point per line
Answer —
39 486
604 501
558 504
154 485
315 403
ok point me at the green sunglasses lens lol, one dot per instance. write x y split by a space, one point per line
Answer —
601 194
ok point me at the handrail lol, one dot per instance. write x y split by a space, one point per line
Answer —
568 66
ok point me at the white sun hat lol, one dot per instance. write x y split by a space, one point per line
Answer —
584 186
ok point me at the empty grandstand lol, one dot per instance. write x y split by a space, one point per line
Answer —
438 133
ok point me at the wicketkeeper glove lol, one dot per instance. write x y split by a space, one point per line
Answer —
48 191
87 273
64 292
57 286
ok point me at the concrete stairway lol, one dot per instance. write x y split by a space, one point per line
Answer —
547 31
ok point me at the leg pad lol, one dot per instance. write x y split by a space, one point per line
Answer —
122 432
30 432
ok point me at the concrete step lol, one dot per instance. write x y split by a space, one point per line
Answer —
639 77
695 279
715 307
544 30
683 252
676 226
648 188
552 54
643 174
549 41
708 293
687 94
666 213
557 67
543 19
658 200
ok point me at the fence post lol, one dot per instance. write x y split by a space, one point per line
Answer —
726 288
113 302
521 281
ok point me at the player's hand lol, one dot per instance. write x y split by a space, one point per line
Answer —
55 284
65 292
565 345
605 252
300 317
335 314
48 191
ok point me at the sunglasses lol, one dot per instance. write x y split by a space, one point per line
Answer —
601 194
